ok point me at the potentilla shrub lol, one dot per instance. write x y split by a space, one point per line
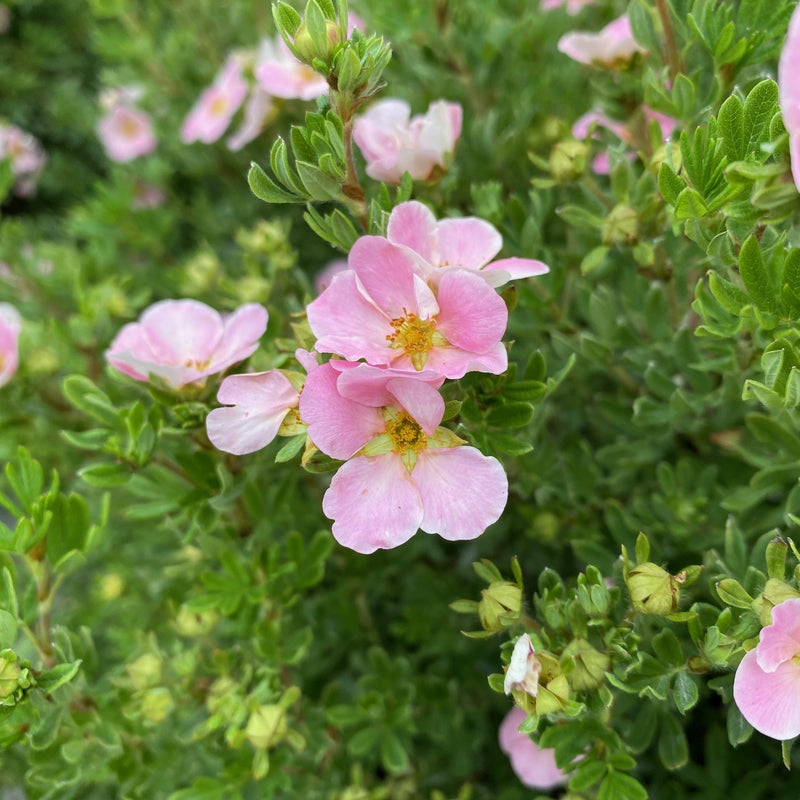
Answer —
399 404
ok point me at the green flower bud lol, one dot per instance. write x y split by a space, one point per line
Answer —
652 589
9 675
111 586
190 623
545 526
308 49
266 727
500 605
568 160
145 671
590 665
157 704
621 226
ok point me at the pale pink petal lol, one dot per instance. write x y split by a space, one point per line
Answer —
307 359
789 78
386 272
325 276
374 504
462 490
241 332
769 700
257 402
182 332
258 108
516 268
467 242
369 385
413 224
583 125
420 400
780 641
338 426
533 765
126 133
472 315
601 164
345 322
613 44
794 151
10 326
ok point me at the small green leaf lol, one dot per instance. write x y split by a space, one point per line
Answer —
264 188
510 415
684 692
690 205
8 629
756 277
52 679
290 449
393 755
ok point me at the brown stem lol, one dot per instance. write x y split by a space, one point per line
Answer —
672 56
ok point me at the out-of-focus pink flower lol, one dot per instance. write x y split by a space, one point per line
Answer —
255 407
212 113
282 75
789 91
381 310
523 668
533 765
10 326
26 156
323 278
461 243
767 683
126 133
184 341
393 142
402 472
583 126
257 110
612 46
573 6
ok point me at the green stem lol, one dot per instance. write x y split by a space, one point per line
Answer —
672 56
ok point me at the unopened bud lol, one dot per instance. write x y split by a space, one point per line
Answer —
568 160
590 665
652 589
157 704
145 671
266 727
500 605
308 49
621 226
9 674
191 623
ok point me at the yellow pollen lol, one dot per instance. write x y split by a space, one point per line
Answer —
196 363
130 127
406 434
412 334
219 106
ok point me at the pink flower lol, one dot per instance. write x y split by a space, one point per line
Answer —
257 110
214 109
381 310
126 133
533 765
403 472
393 144
789 91
465 243
184 341
767 683
573 6
256 405
612 46
282 75
523 668
10 326
26 156
323 278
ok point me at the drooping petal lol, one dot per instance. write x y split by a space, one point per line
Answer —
256 405
780 641
337 426
413 225
368 385
374 504
386 272
768 700
471 314
468 242
348 324
420 400
462 490
513 268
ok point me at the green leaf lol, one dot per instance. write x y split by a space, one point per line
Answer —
45 730
8 629
510 415
731 125
755 276
363 741
730 296
669 184
668 648
619 786
290 449
264 188
279 162
8 594
287 18
318 185
105 474
208 788
684 692
739 729
393 755
586 775
52 679
759 108
69 527
673 749
690 205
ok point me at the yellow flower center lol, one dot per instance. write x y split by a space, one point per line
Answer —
129 128
415 337
219 106
196 363
406 434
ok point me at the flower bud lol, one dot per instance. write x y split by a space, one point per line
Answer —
266 727
157 704
652 589
590 665
568 160
553 691
308 49
111 586
500 605
190 623
621 226
145 671
9 674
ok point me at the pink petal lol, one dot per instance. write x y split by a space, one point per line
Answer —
374 504
345 322
769 700
338 426
181 331
794 150
462 490
789 78
258 403
369 385
454 362
467 242
420 400
780 641
242 330
386 272
533 765
412 224
472 315
517 268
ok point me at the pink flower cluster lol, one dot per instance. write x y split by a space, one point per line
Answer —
789 91
406 312
10 326
125 131
767 683
26 156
